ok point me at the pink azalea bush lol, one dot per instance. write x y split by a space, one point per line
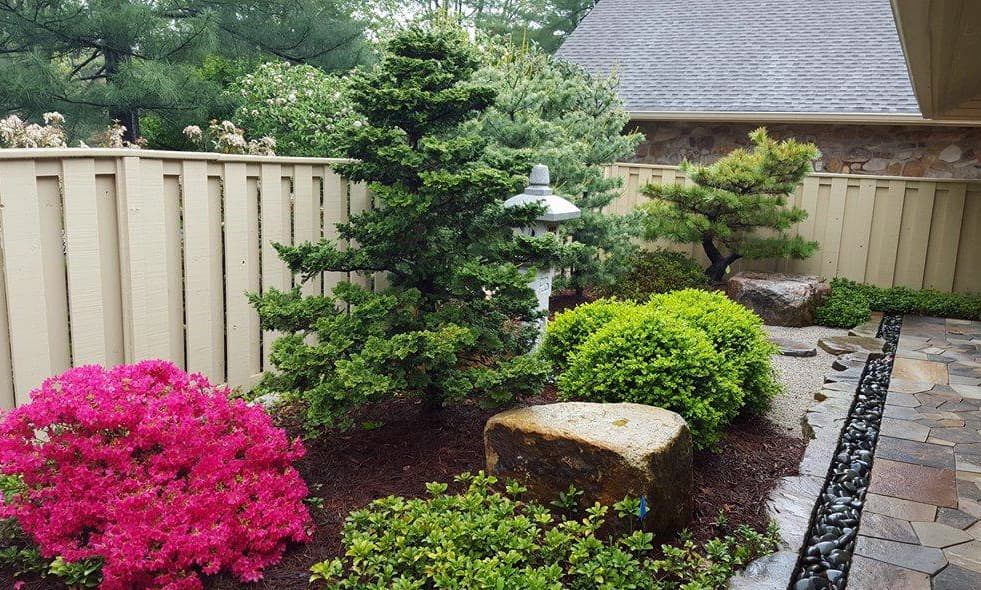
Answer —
155 472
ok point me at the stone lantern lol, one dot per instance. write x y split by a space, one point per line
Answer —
557 210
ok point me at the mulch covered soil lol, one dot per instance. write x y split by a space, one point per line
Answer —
348 470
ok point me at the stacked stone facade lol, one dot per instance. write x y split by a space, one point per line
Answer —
882 150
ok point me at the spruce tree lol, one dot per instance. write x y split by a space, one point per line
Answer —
733 200
99 60
553 112
458 317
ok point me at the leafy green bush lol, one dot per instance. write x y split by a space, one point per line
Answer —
659 271
570 328
481 538
736 333
851 303
652 356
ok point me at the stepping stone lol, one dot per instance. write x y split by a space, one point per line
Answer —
847 344
868 329
853 360
935 534
928 560
851 375
790 347
869 574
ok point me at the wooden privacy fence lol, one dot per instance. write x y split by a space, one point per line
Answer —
882 230
112 256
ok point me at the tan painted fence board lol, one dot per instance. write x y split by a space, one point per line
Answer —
881 230
148 255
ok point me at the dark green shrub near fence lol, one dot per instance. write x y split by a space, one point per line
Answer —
658 271
852 303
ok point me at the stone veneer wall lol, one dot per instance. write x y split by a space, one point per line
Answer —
882 150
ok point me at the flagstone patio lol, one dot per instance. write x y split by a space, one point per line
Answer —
921 525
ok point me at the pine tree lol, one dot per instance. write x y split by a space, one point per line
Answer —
553 112
733 200
99 60
457 319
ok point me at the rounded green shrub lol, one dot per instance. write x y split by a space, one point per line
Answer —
736 333
659 271
650 356
570 328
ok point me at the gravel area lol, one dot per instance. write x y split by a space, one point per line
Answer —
802 376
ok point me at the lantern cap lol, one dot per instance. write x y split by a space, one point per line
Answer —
539 191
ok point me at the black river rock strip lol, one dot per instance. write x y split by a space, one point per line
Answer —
827 553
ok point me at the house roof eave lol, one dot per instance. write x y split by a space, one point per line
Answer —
797 117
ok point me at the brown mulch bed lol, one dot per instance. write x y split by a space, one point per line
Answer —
348 470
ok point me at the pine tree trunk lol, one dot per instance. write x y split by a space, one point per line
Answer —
719 261
129 118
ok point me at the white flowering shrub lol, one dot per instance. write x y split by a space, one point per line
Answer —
17 133
224 137
303 108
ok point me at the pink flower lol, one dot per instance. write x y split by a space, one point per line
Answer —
154 471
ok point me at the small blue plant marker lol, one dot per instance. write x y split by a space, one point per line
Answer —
642 512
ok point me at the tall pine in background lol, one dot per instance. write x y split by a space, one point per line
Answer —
737 207
100 60
457 319
553 112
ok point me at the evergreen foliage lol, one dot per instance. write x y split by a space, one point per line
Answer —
458 316
553 112
658 271
99 60
731 200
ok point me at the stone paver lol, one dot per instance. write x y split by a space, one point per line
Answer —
927 468
869 574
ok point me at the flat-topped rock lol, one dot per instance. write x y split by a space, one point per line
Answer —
851 360
869 329
848 344
780 299
609 451
788 347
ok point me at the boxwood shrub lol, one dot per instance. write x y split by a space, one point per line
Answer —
653 356
736 333
482 538
852 303
570 328
658 271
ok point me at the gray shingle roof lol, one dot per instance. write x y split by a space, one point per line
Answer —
773 56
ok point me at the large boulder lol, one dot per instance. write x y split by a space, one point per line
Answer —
609 451
780 299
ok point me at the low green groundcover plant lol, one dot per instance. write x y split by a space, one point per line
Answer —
653 356
485 539
658 271
852 303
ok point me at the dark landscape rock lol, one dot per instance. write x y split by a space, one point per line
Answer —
793 348
780 299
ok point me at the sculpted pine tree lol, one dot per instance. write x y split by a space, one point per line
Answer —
455 321
732 200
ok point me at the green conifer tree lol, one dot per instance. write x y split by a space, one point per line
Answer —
733 200
553 112
99 60
457 319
